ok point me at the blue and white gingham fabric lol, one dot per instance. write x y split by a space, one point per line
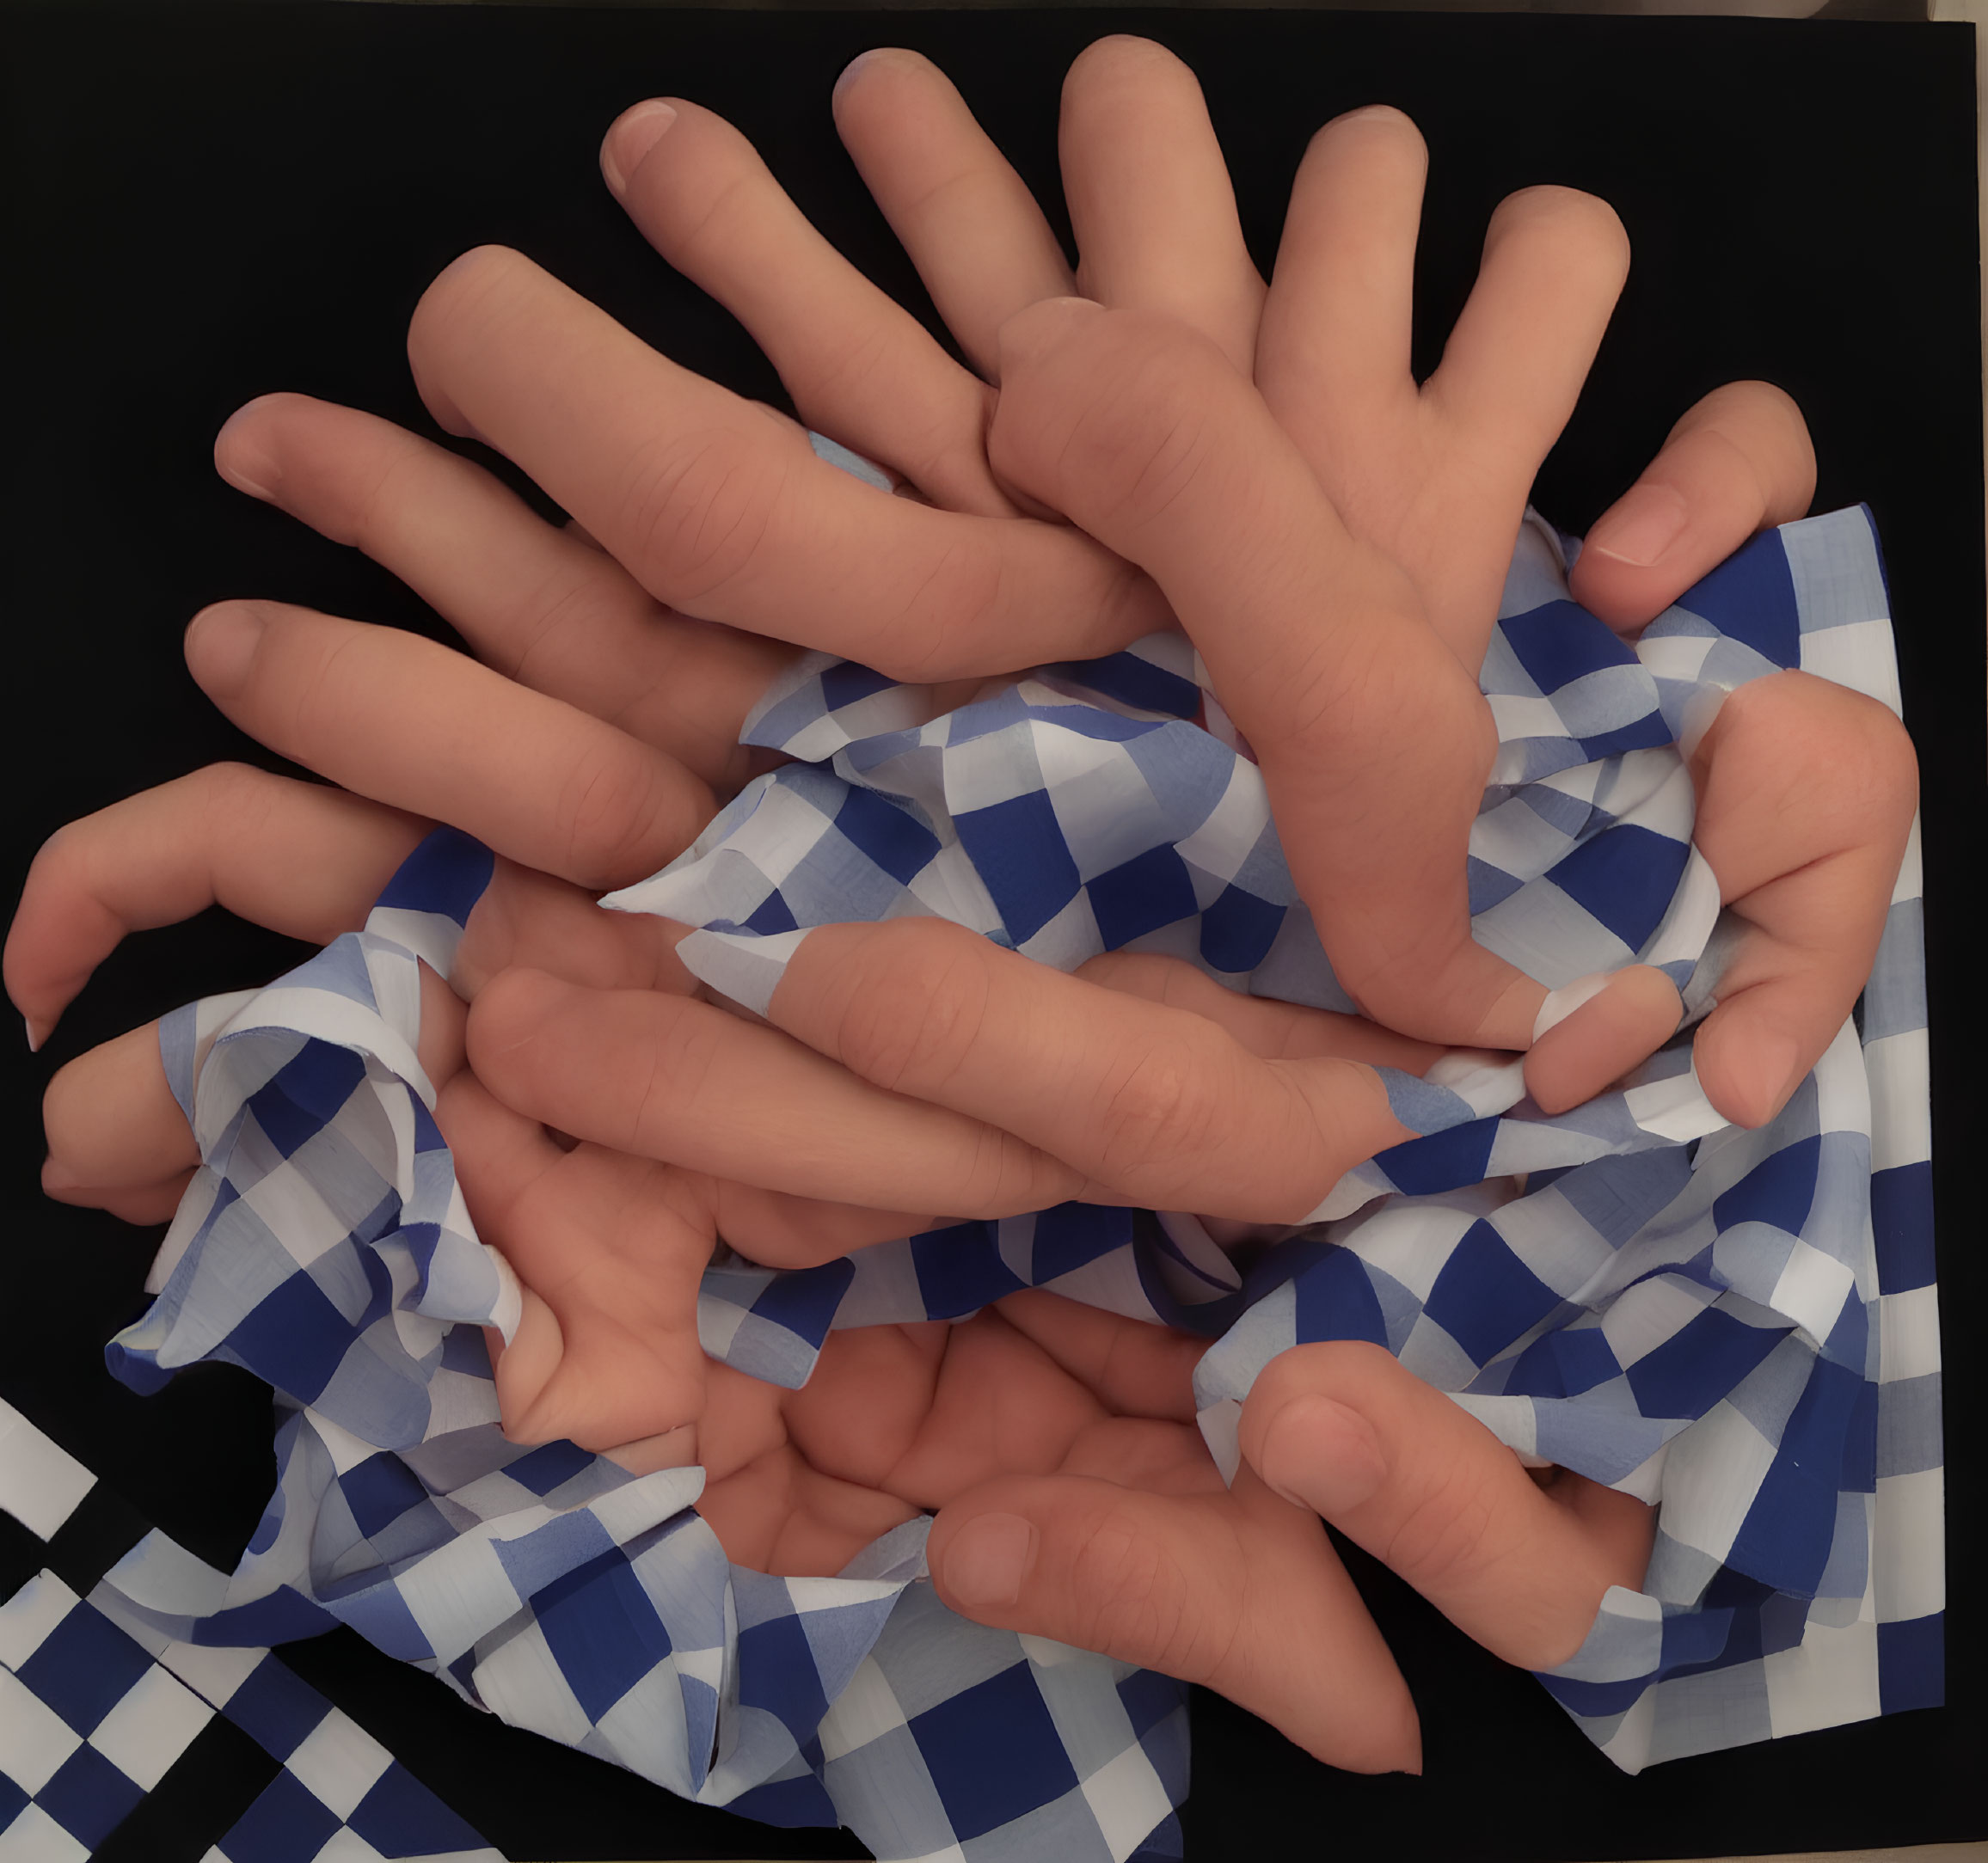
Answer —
1739 1327
98 1708
324 1245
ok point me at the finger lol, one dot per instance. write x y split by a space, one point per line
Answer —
1242 1594
1634 1013
970 226
1159 1107
1403 1472
606 1349
1149 198
779 1230
143 1207
859 366
1332 358
536 602
998 1406
1806 796
1133 1368
724 512
113 1122
1739 461
678 1080
1554 264
226 836
1272 1030
396 717
1374 742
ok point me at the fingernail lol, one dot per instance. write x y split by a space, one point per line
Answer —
988 1559
1041 325
1563 1002
1765 1070
35 1039
631 138
221 644
242 461
862 62
1642 526
1323 1455
57 1178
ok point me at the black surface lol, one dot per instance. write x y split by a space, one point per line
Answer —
206 203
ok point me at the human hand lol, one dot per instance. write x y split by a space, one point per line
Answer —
1435 476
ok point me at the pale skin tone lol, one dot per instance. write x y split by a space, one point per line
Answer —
590 748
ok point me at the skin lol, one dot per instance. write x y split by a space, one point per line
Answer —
1115 1541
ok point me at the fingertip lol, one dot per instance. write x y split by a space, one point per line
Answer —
876 61
1749 1074
1033 332
1320 1454
510 1013
1593 1031
629 139
986 1561
243 456
221 645
1641 527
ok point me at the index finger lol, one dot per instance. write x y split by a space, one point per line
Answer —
723 512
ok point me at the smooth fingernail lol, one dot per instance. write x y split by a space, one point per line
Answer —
35 1037
221 644
243 460
1563 1002
1642 524
57 1178
1323 1455
988 1559
632 135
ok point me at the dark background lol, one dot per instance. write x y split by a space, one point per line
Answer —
208 202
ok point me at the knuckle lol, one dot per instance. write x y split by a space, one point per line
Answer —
1136 1602
1441 1534
697 507
1160 1119
607 812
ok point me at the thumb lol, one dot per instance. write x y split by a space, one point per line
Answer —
1738 462
1414 1479
1240 1591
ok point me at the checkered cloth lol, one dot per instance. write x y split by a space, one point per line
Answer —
324 1246
1739 1327
98 1708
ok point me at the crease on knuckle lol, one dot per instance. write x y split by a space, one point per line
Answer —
1135 1602
1160 1121
914 1009
698 507
682 1061
607 812
1442 1535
